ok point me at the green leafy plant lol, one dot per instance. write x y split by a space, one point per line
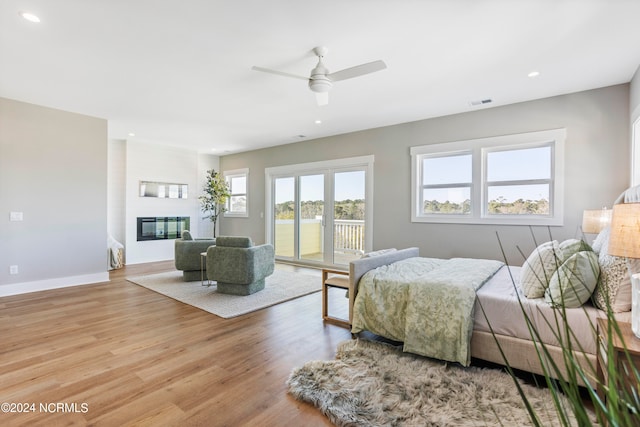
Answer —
616 404
213 201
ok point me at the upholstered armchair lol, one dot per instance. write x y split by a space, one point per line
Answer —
187 255
239 267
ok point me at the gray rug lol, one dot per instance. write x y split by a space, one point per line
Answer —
281 286
375 384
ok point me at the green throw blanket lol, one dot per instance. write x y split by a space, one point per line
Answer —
427 303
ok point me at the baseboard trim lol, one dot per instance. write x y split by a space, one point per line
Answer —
61 282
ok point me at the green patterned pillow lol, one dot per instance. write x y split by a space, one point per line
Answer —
572 246
538 269
573 283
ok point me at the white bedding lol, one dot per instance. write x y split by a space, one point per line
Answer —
504 313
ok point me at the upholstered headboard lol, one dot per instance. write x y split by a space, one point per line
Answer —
359 267
630 195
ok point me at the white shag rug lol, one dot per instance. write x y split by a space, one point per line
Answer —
374 384
281 286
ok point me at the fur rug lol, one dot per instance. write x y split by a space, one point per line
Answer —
375 384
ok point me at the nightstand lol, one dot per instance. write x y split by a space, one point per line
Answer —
620 362
336 279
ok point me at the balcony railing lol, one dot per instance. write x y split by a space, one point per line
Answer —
348 237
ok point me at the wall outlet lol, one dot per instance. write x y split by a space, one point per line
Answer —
13 269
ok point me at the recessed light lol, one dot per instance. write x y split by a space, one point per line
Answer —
29 16
131 134
318 122
533 74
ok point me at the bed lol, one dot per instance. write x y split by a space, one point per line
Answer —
386 307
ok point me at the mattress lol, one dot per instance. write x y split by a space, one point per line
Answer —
499 299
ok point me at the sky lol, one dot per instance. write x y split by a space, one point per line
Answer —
530 163
348 185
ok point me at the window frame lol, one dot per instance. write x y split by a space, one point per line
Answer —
479 149
228 176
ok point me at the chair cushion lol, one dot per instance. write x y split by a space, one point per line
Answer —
234 241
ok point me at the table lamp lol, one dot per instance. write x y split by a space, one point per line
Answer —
625 242
594 220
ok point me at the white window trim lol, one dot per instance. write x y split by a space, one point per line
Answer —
235 173
635 153
479 148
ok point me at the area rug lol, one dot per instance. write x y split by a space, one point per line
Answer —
281 286
375 384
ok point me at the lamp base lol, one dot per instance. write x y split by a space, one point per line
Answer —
635 304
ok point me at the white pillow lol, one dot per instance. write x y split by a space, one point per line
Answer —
614 284
573 283
538 269
601 238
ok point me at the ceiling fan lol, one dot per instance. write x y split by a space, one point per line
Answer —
321 80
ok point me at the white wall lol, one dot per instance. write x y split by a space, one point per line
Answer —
152 162
634 96
117 189
634 107
596 170
53 169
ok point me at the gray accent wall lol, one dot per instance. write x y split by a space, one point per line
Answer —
53 169
596 171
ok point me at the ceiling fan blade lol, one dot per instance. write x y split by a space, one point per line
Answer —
280 73
322 98
358 70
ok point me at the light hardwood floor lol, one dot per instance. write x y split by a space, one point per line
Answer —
125 355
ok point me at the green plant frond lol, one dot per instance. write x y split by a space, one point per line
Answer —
216 192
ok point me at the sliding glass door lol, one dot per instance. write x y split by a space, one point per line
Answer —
285 211
312 218
349 205
319 215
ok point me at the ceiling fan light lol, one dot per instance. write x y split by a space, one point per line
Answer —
320 85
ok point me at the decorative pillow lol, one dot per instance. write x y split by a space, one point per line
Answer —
378 253
572 246
573 283
614 284
186 235
599 240
538 269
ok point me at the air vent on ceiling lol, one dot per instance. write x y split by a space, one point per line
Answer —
481 102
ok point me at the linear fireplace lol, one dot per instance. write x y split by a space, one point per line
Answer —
162 227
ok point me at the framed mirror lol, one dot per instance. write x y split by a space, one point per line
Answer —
163 190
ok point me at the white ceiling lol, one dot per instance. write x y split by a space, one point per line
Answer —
179 72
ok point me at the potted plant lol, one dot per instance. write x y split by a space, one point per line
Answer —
213 201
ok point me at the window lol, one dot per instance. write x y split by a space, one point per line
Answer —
513 179
237 204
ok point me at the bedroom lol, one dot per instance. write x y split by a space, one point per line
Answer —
598 169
